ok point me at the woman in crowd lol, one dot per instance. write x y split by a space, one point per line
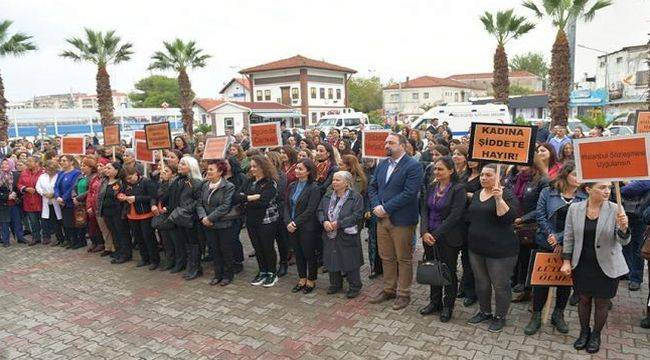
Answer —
234 175
63 192
167 177
374 260
306 144
80 193
412 150
245 164
289 158
442 231
305 154
215 202
493 247
31 200
316 140
282 236
51 213
415 136
552 207
350 163
139 196
262 215
302 224
339 213
578 133
566 153
594 234
459 156
181 145
94 184
173 157
325 166
236 151
9 210
111 209
546 161
344 147
198 151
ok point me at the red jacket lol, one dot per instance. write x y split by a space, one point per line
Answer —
31 202
93 191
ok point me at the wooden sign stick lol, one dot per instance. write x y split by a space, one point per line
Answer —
547 308
162 161
114 158
617 189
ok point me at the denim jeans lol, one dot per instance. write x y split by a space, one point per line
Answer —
16 223
493 274
34 221
632 251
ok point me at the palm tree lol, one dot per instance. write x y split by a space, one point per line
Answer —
181 56
16 45
507 26
101 49
561 12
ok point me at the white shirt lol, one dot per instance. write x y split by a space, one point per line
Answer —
392 165
45 185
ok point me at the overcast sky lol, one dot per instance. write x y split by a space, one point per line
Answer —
392 39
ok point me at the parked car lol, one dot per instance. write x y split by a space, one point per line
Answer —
618 130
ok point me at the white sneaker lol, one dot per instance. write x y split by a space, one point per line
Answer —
271 279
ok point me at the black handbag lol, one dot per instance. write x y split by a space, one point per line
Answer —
162 222
433 272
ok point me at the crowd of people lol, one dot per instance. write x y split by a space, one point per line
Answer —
306 203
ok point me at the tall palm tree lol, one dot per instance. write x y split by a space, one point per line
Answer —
561 12
181 56
101 49
504 27
16 45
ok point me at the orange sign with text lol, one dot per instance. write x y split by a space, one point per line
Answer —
642 121
372 144
142 153
507 144
139 135
71 145
215 148
617 158
265 135
158 136
546 270
112 135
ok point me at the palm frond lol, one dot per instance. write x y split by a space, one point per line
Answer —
600 4
530 4
70 55
488 22
99 48
4 30
17 45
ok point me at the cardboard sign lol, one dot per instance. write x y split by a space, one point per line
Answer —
265 135
139 135
642 121
617 158
112 135
73 145
215 148
142 153
506 144
544 270
372 144
158 136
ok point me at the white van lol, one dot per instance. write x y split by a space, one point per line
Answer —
347 120
460 116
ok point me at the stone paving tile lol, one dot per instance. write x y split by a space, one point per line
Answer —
59 304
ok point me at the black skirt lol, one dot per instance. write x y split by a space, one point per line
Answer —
588 277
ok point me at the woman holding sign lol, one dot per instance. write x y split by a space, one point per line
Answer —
594 236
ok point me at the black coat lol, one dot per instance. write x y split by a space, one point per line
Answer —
256 210
215 203
325 184
183 195
452 229
145 192
527 207
343 253
306 207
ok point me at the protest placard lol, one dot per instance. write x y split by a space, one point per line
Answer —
158 136
506 144
642 121
215 148
265 135
139 135
112 135
372 144
73 145
618 158
544 270
142 153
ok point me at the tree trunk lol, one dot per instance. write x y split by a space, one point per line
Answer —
501 82
104 96
187 96
4 122
559 80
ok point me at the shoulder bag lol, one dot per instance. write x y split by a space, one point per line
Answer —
433 272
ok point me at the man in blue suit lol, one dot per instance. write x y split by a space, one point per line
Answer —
394 199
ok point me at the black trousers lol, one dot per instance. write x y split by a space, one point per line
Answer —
180 238
220 244
121 237
237 248
263 240
521 269
448 255
304 245
282 239
353 277
540 294
142 232
167 245
467 281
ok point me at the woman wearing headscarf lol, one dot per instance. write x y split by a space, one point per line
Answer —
65 183
339 213
9 211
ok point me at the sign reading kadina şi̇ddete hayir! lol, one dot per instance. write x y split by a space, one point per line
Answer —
506 144
616 158
265 135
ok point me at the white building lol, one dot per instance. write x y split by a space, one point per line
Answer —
237 89
484 81
410 98
314 87
71 101
236 115
625 74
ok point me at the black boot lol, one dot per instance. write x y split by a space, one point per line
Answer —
645 322
534 324
178 266
282 269
594 342
583 339
194 269
557 319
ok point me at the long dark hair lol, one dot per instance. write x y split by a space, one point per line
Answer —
449 164
311 169
268 169
330 151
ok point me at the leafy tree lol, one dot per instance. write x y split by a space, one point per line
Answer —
181 56
561 12
376 117
101 49
204 128
519 90
532 62
155 90
595 117
504 26
15 45
365 94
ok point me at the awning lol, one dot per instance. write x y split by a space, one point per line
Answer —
277 115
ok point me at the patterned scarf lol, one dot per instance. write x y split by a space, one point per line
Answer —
321 170
335 208
7 177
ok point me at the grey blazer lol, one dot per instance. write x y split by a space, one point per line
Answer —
609 239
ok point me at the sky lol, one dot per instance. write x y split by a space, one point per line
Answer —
389 39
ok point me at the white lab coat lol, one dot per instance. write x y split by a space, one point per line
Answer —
45 185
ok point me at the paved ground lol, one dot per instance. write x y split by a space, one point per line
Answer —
61 304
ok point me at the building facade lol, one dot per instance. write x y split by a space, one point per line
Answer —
314 87
236 115
237 89
484 81
71 101
413 97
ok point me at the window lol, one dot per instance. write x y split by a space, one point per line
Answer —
415 96
314 115
330 93
455 97
394 97
619 59
322 114
352 122
229 123
313 94
425 95
338 94
258 93
294 93
322 93
267 95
